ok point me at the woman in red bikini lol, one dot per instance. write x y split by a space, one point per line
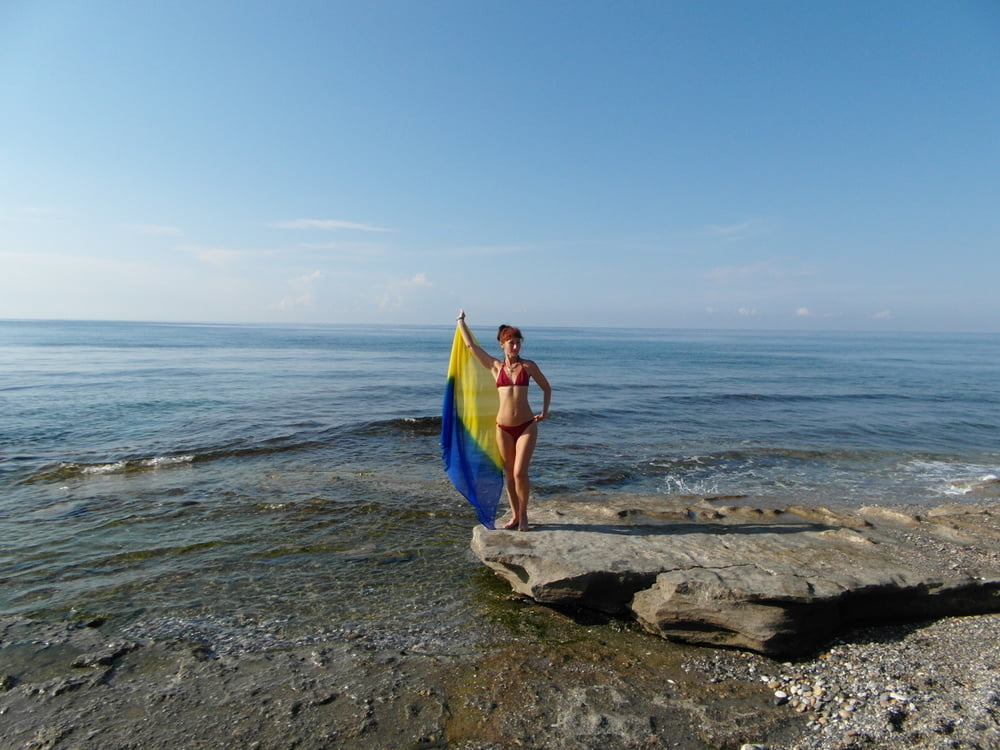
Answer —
517 430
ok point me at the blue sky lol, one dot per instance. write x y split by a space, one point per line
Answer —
769 164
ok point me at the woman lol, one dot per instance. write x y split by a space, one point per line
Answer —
517 429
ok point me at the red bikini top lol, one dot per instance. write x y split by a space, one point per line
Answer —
504 379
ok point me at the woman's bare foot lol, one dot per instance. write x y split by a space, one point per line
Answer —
510 525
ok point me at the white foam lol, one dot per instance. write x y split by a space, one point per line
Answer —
104 468
952 479
680 486
167 461
149 463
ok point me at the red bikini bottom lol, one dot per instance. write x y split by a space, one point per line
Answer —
517 430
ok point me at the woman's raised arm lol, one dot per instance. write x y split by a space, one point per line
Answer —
477 351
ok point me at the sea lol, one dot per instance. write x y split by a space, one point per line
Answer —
283 482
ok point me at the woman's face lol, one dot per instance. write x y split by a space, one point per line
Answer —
511 347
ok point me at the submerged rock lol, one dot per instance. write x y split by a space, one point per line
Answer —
779 582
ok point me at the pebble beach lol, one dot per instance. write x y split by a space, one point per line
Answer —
919 685
531 677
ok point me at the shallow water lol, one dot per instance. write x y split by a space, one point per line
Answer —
289 480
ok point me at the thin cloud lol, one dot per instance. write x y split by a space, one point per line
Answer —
309 277
35 214
356 249
741 230
767 269
395 294
805 312
418 279
221 257
303 293
482 251
884 315
154 229
327 225
732 230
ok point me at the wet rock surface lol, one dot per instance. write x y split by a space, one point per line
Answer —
555 683
778 581
521 675
545 682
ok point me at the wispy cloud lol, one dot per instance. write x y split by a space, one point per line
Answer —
767 269
222 257
482 251
355 249
740 230
805 312
395 294
747 312
309 277
302 292
731 230
34 214
327 225
154 229
884 315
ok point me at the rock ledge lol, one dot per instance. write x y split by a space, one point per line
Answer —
777 581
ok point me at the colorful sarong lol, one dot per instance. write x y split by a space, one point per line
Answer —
468 432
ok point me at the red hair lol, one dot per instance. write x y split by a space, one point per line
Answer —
506 332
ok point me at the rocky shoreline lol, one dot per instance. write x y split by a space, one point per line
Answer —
554 684
524 676
925 685
779 581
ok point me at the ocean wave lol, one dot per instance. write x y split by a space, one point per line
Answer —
429 426
985 486
302 440
826 475
71 469
761 456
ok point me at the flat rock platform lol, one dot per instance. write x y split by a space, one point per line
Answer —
778 581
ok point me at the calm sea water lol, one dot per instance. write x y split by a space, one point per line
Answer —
289 479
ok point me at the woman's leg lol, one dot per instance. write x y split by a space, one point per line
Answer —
522 460
516 455
507 445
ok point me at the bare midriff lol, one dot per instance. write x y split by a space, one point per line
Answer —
514 407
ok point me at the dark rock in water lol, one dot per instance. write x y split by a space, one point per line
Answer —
780 582
106 656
